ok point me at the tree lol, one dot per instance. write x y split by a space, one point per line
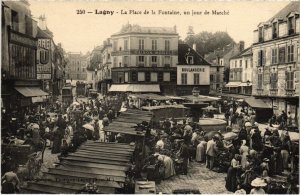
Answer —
207 42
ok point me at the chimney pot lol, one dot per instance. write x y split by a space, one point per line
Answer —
194 46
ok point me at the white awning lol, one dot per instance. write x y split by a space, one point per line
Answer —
245 85
134 88
233 84
31 91
118 88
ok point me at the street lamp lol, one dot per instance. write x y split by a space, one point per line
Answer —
95 78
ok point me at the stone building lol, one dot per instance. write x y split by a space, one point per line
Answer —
276 57
144 59
76 67
192 71
105 79
240 77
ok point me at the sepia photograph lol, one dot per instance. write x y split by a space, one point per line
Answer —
150 97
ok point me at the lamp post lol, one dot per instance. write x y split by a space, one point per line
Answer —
95 78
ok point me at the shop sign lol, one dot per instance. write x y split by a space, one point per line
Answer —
44 76
152 52
38 99
19 38
193 69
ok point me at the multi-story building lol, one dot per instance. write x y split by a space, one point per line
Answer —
104 74
192 71
276 57
76 67
240 76
94 62
219 60
20 87
144 59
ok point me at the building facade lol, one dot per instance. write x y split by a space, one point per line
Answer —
18 57
240 76
104 74
76 67
146 57
276 57
220 62
192 71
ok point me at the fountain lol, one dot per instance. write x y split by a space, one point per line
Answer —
196 112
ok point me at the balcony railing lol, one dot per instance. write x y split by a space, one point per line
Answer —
273 92
290 92
140 64
167 65
154 65
259 91
275 35
260 39
291 31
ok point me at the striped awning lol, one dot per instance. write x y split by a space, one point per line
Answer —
134 88
31 91
233 84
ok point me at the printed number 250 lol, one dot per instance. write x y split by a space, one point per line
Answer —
80 11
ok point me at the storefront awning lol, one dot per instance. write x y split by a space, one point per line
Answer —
118 88
256 103
134 88
233 84
31 91
245 85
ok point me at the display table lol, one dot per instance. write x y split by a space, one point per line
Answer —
145 187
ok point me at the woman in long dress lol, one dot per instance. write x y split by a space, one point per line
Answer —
231 179
168 164
200 152
244 151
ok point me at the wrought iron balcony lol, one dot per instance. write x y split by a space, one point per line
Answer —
289 92
273 92
259 91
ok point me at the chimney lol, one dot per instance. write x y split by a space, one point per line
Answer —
42 22
194 46
242 45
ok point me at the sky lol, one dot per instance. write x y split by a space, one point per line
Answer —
82 32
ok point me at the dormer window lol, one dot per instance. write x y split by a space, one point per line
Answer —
275 30
190 60
260 34
291 25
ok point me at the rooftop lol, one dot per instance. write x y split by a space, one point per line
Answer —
245 52
129 28
185 50
293 6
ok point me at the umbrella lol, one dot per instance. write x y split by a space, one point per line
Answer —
88 126
248 124
210 108
230 136
76 103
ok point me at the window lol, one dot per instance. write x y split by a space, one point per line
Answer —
190 60
154 44
291 25
241 63
260 34
28 22
167 61
141 60
83 69
260 81
126 77
125 44
154 61
167 76
290 53
115 45
274 56
282 55
273 81
141 76
125 61
274 30
211 77
15 20
108 56
120 64
141 44
290 80
235 64
153 77
261 58
196 79
246 63
167 45
183 78
115 62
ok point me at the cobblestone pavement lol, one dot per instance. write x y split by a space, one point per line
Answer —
199 177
